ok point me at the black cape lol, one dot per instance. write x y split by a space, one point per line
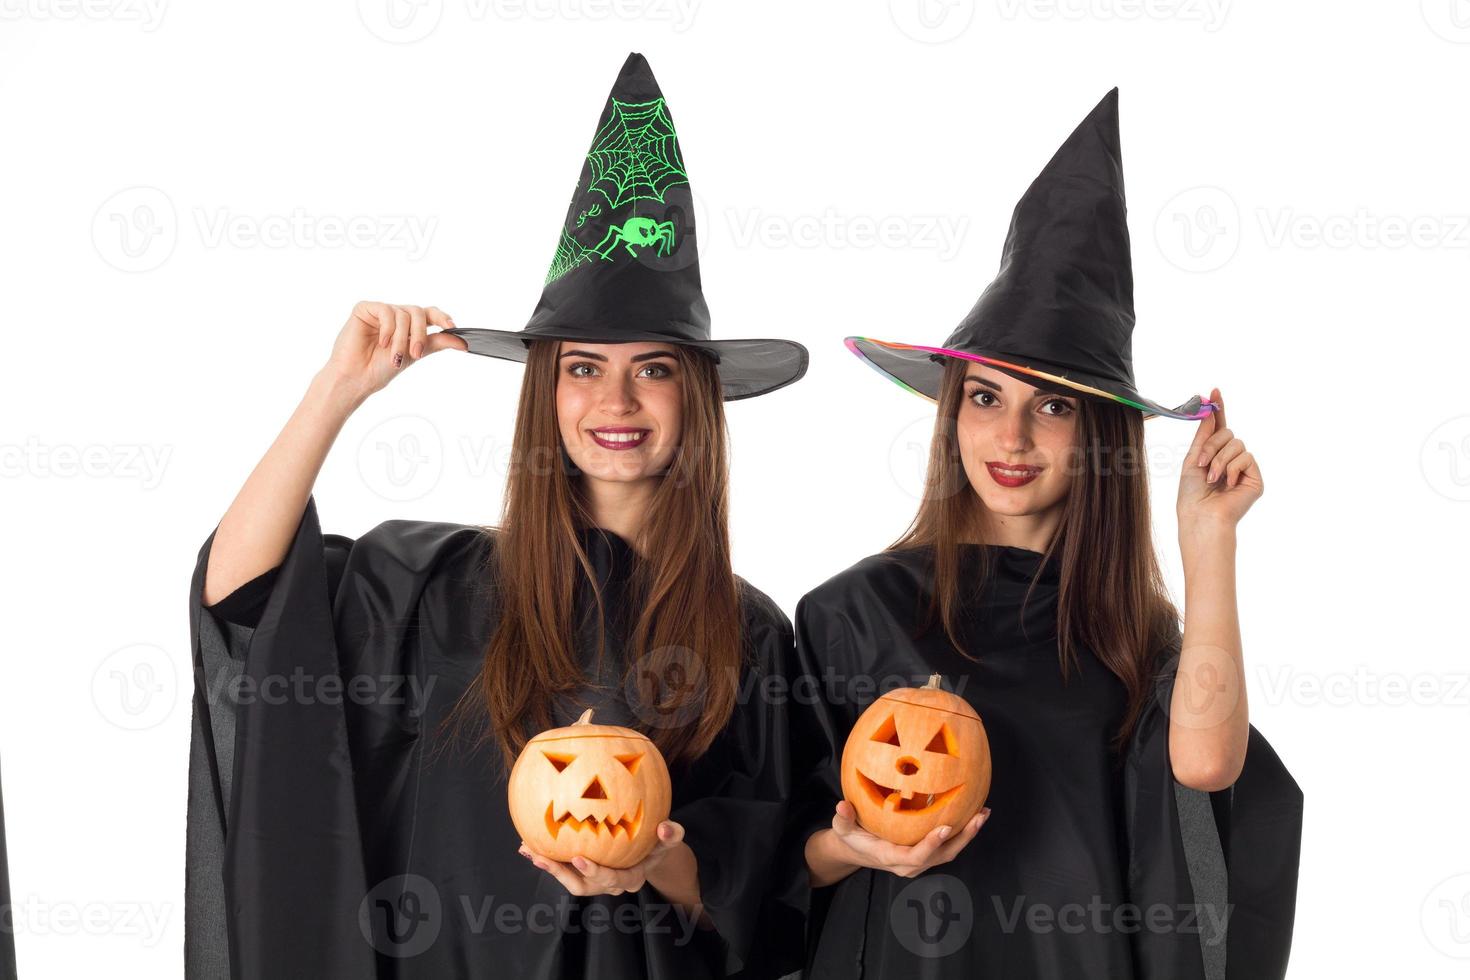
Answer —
7 914
327 838
1083 871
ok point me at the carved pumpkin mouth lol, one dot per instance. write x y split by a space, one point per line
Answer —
592 824
896 800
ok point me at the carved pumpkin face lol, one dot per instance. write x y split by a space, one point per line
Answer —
917 758
598 791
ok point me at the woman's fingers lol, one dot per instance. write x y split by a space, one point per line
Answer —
418 331
1241 466
920 855
441 340
1207 426
568 876
951 848
403 324
598 880
939 846
445 341
382 313
438 317
584 877
670 833
1222 458
844 821
375 316
1217 440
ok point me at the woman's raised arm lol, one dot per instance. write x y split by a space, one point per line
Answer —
378 341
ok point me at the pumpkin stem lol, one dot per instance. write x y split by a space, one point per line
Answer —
933 684
586 718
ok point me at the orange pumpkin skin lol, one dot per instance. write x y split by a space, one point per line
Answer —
598 791
917 758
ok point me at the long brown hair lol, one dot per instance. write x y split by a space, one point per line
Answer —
1112 598
682 589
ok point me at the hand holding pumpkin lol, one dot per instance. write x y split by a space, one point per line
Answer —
592 792
940 846
582 877
918 758
915 772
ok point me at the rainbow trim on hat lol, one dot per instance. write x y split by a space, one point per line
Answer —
1205 408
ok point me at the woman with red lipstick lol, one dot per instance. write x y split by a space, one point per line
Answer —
370 835
1134 813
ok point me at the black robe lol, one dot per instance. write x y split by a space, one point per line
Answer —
333 834
1083 871
7 914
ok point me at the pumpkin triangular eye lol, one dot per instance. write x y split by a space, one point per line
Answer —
594 790
941 742
887 732
559 759
631 762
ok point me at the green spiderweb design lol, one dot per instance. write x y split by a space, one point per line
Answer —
570 253
635 155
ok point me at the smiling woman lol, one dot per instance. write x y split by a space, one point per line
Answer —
1123 760
373 835
620 405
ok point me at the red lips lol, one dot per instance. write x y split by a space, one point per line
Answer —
619 436
1012 476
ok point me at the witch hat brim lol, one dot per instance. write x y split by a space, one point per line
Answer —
920 370
626 266
747 367
1059 312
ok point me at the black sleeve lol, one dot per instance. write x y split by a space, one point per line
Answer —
1237 849
7 934
243 606
274 871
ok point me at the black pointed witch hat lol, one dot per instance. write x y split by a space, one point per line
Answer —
1060 310
626 267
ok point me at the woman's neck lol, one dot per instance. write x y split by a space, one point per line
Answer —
618 506
1032 532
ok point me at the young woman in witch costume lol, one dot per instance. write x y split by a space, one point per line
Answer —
359 836
1028 580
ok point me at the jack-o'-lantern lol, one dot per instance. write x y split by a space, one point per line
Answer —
599 791
917 758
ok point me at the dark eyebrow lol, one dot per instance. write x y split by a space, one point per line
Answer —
1039 392
636 357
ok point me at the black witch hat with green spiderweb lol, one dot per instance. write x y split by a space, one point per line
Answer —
626 266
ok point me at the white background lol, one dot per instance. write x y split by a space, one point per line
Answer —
1296 175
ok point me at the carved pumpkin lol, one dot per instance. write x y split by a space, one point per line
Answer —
917 758
598 791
